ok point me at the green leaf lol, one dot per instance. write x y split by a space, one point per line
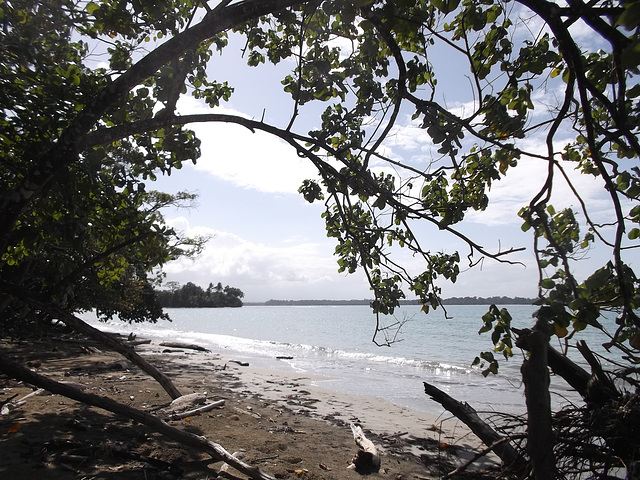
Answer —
91 8
630 17
445 6
547 283
631 54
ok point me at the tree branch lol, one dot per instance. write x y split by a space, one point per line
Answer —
66 148
465 413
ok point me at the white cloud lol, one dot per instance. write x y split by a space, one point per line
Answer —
251 160
258 161
291 270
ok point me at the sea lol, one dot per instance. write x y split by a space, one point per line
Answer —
335 344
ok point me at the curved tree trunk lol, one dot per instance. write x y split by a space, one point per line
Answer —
216 451
107 340
116 345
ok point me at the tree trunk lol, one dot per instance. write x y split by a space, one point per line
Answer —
600 388
535 375
187 439
115 344
573 374
83 327
466 413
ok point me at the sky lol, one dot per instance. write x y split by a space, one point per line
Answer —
269 242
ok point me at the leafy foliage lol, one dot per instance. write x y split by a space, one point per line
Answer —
80 140
93 235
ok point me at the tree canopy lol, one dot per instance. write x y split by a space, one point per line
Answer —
553 85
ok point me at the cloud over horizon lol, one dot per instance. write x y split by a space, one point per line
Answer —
296 269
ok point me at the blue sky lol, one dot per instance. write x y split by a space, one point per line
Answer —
269 242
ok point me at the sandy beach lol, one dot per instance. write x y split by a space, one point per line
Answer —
280 421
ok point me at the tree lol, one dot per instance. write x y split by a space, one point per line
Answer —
364 64
233 296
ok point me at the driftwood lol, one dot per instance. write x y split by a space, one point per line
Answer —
119 347
366 459
186 401
187 406
196 411
238 362
224 469
187 439
188 346
466 413
9 405
134 343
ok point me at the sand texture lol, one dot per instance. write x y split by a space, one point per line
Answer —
279 421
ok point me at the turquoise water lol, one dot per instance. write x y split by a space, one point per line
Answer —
336 342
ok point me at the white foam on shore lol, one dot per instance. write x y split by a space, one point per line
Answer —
305 394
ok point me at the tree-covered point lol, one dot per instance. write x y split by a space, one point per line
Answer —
191 295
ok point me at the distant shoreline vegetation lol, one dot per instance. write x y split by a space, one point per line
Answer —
191 295
447 301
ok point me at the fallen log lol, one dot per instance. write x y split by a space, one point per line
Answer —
119 347
467 414
188 346
216 451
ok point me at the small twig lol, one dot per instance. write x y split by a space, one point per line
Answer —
196 411
478 455
264 459
8 400
223 473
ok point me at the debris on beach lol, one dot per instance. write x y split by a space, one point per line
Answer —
238 362
366 459
187 406
186 346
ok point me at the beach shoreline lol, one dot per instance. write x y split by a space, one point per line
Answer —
289 425
284 387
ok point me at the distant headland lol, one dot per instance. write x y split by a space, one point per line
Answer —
447 301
